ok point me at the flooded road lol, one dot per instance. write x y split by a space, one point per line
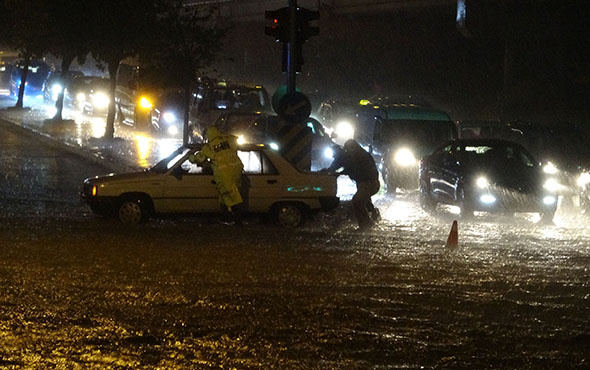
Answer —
189 292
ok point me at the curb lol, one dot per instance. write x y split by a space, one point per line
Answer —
110 163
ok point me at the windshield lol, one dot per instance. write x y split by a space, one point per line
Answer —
421 133
499 154
167 163
239 98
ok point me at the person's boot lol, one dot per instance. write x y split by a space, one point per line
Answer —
376 215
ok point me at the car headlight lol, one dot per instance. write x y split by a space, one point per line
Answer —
172 130
241 140
404 157
482 182
345 130
100 100
80 97
145 103
584 179
549 200
56 89
169 117
487 198
328 153
274 146
550 169
552 185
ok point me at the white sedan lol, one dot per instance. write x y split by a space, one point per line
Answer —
175 185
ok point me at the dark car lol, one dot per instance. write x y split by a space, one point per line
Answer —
258 128
38 72
92 94
561 147
404 133
215 98
167 113
487 176
55 84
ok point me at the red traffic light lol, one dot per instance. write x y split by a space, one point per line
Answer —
279 28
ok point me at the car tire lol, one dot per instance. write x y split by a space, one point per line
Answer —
133 211
424 197
463 203
289 214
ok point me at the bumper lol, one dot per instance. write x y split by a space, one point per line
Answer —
513 201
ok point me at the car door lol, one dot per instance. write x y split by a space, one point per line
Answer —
264 181
440 173
189 188
450 173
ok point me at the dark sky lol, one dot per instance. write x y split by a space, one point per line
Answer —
526 62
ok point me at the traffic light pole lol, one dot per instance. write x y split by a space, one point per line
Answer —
291 47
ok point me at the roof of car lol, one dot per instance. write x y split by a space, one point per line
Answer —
482 142
248 146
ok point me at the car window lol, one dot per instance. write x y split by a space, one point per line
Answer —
257 163
167 163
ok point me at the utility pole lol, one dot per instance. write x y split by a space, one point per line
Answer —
291 48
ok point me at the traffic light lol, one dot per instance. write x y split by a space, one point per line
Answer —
304 29
279 27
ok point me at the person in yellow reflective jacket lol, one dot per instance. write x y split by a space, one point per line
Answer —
222 152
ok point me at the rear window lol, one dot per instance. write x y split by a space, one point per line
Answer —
257 163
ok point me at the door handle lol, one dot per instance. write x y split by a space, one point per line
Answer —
271 181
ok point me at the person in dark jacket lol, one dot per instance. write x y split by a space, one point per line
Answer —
361 168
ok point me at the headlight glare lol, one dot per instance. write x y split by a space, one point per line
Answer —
172 130
487 199
584 179
169 117
100 100
57 88
145 103
345 130
404 157
328 153
80 97
550 169
551 185
241 140
549 200
482 182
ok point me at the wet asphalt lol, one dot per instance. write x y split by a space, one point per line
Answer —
191 292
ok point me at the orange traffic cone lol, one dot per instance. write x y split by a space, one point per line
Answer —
453 239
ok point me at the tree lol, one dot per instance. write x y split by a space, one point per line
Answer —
70 27
121 28
26 30
185 41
